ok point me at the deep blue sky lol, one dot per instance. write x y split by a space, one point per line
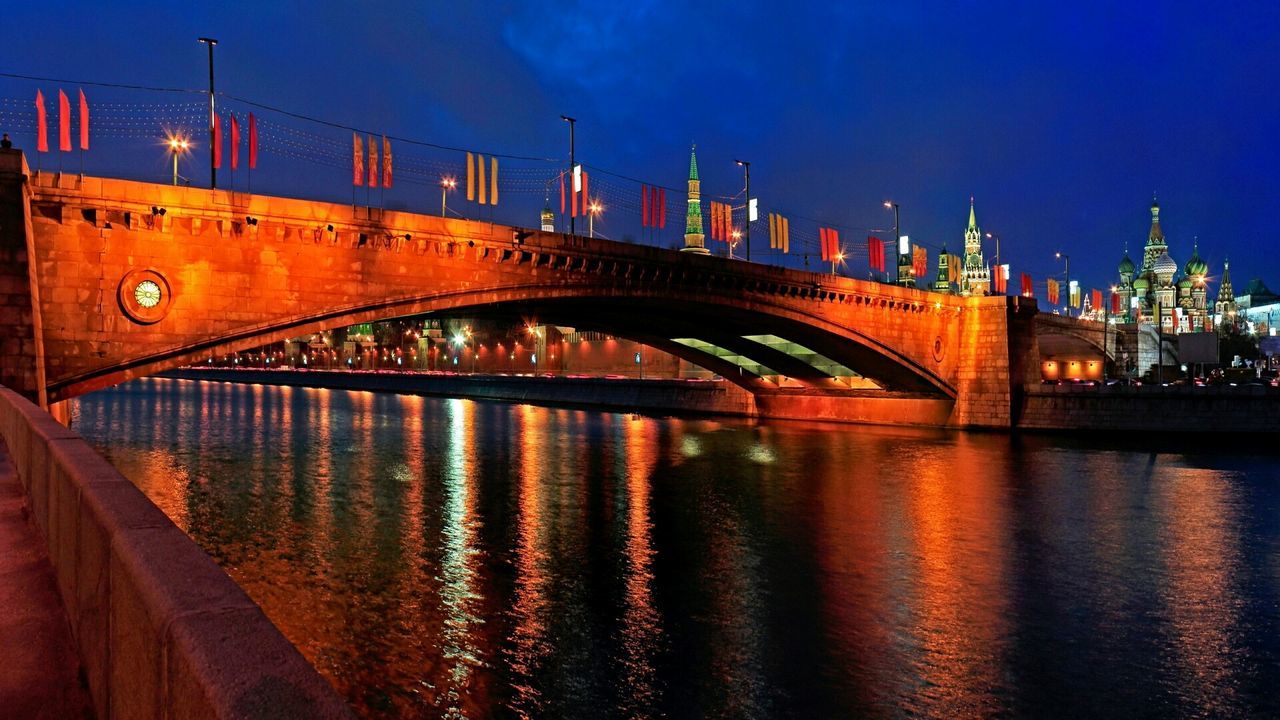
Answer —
1061 119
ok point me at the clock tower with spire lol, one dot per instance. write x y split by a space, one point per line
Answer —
976 277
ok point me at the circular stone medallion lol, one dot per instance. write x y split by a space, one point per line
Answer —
144 296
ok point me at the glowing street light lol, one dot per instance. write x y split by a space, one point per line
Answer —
594 209
736 235
447 184
1066 260
177 145
838 258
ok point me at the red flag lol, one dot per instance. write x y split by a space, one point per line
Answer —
253 142
84 122
585 195
662 207
235 142
1115 303
573 197
1097 299
373 164
1027 289
919 262
386 164
872 242
357 160
217 141
644 205
42 124
64 122
562 193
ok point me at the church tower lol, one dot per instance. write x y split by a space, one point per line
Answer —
976 279
942 283
1156 245
1225 307
694 240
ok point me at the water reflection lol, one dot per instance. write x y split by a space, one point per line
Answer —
445 558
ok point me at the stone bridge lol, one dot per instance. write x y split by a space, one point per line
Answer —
111 279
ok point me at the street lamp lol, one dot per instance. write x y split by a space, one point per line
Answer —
1066 260
177 145
746 169
572 162
891 205
447 184
837 258
736 235
213 145
594 209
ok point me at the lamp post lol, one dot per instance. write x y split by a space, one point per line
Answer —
572 163
593 210
213 171
746 235
177 145
446 184
736 235
1066 260
890 205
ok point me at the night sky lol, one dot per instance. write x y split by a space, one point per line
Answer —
1060 119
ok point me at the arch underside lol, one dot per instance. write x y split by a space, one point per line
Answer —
752 347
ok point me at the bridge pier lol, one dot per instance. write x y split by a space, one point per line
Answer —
21 337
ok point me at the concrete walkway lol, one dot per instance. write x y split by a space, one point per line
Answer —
39 667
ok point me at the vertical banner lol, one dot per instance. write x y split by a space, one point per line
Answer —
482 181
1096 300
1027 289
1051 288
217 141
64 122
357 159
662 208
471 177
84 122
1115 303
42 124
585 193
645 210
919 261
373 163
234 133
493 180
875 253
387 162
562 206
253 142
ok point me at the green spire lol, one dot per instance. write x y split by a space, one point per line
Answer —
693 219
693 163
973 219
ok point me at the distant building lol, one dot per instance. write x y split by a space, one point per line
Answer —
1258 308
976 278
694 239
1154 293
1224 309
942 283
548 219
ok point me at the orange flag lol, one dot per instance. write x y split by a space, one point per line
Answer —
84 122
64 122
42 124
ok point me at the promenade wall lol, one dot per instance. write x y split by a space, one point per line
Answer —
1153 408
161 630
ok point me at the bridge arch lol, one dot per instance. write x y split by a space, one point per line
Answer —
653 317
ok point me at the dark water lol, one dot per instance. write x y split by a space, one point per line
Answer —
450 558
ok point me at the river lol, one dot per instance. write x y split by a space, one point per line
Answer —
450 558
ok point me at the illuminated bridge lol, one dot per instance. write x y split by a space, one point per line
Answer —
113 279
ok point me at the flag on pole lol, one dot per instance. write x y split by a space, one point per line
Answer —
1096 299
387 162
562 193
1028 290
64 122
482 187
1051 286
217 141
373 163
84 122
1115 303
357 160
875 253
955 267
830 243
42 124
919 261
646 212
235 142
493 180
1074 293
253 142
779 233
585 192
